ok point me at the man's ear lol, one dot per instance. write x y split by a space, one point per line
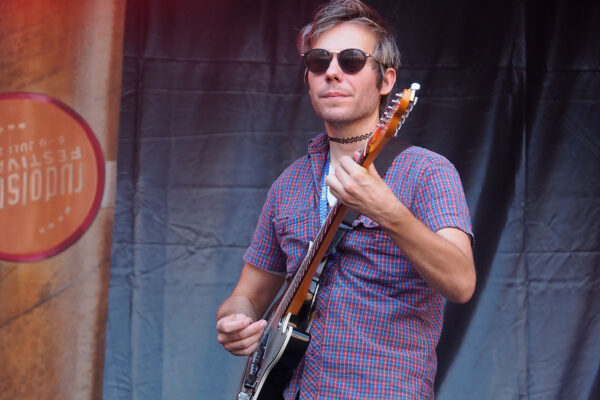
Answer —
306 80
387 84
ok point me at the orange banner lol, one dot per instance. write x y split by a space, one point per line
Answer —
60 77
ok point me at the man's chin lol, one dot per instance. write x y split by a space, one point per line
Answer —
335 117
338 121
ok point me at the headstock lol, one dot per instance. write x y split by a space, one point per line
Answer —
390 122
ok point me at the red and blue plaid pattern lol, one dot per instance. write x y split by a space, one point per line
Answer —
377 321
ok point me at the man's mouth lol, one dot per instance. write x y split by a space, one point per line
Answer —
334 95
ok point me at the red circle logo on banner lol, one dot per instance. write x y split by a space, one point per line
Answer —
51 176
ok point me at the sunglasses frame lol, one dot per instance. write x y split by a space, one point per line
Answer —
331 53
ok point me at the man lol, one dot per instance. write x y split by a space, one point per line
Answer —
380 304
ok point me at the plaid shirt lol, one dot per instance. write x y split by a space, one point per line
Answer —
377 321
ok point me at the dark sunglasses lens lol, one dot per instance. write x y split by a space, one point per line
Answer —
352 60
317 60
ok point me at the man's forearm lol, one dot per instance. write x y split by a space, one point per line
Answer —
444 259
253 293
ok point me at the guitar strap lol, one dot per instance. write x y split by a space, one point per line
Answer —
382 163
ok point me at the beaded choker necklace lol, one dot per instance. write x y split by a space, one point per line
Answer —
352 139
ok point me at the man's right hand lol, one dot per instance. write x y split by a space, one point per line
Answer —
239 334
237 330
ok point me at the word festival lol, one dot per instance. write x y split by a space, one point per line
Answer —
27 176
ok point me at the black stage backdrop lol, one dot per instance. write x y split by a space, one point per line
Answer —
214 108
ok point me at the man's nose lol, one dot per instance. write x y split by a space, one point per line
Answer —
334 72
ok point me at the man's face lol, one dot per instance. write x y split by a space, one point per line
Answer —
340 98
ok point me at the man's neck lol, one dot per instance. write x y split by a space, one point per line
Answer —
338 150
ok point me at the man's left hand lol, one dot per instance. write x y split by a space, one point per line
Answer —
360 189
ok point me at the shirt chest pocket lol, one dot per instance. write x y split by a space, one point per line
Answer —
377 257
293 235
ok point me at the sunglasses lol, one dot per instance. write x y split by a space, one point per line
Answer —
350 61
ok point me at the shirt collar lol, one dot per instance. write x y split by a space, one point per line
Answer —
318 144
317 154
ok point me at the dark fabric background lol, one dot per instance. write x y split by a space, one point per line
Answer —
214 108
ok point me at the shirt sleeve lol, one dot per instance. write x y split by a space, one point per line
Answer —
441 198
264 251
